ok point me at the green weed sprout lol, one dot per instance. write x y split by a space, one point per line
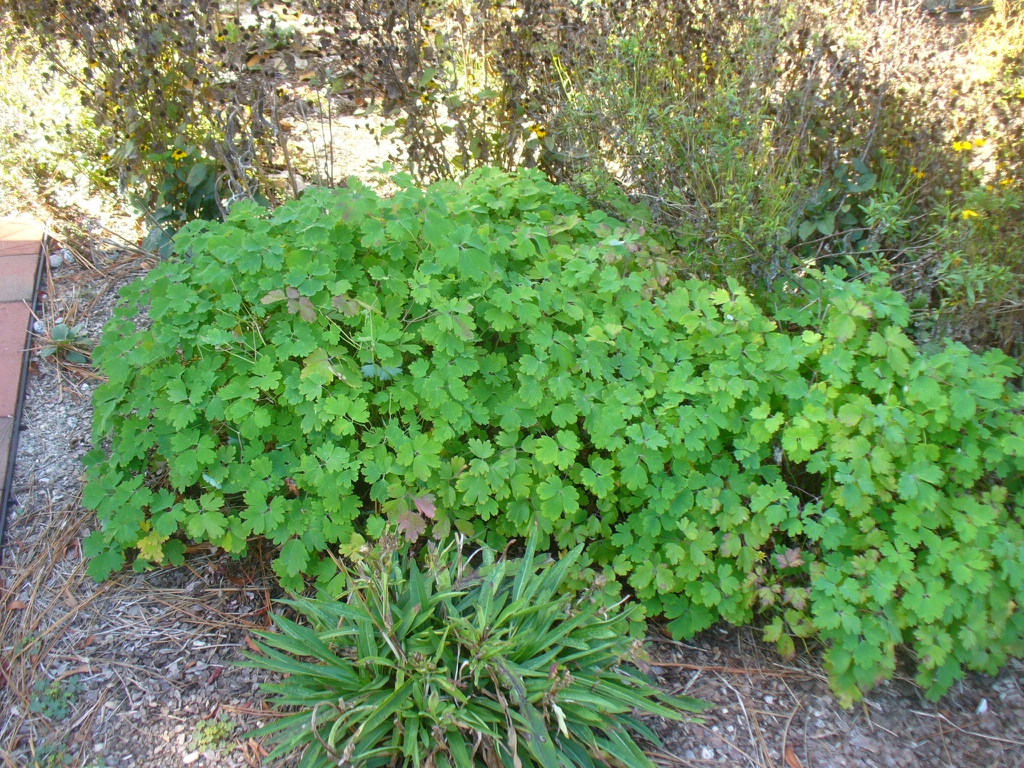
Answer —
68 343
471 661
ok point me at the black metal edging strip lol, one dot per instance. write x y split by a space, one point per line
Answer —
26 356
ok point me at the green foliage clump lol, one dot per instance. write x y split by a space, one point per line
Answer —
54 699
212 734
470 662
66 343
486 354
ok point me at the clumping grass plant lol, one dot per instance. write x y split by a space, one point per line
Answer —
471 660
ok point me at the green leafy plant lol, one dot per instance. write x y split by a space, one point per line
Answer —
213 733
188 188
51 756
67 343
45 134
54 699
471 661
482 355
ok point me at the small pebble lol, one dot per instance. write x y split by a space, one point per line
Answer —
56 260
769 700
38 327
707 753
72 421
190 758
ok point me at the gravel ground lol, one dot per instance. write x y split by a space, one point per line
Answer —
771 713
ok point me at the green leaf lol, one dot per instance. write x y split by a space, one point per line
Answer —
293 557
196 175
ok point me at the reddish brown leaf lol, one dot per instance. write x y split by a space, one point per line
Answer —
410 525
345 305
217 671
306 310
85 669
791 558
74 549
425 504
88 641
16 605
792 760
252 644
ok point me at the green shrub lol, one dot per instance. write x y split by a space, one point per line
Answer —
485 354
470 662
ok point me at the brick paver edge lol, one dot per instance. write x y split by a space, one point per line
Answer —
18 238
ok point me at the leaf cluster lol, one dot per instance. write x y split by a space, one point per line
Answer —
67 343
471 662
482 355
55 699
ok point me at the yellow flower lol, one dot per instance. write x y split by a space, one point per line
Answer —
1006 182
541 132
179 154
980 142
969 214
962 146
